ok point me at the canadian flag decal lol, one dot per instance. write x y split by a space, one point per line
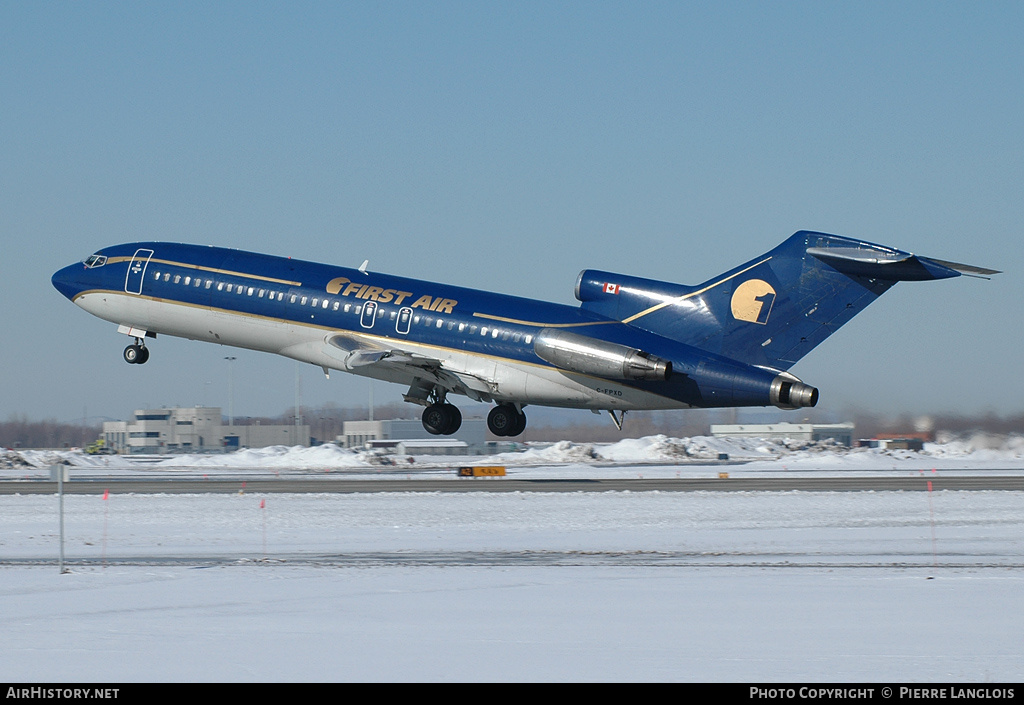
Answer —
611 288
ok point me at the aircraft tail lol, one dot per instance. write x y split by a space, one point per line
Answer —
772 310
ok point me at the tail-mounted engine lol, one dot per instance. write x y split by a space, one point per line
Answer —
579 353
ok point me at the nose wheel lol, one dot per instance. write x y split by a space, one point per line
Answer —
136 354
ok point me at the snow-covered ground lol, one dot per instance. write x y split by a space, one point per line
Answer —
659 455
707 586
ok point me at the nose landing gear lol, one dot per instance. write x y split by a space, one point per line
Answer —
136 354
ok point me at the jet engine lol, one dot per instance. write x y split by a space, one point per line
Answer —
787 392
580 353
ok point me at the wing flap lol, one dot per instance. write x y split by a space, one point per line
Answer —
354 354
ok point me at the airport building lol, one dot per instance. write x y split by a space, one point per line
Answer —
408 437
839 432
198 429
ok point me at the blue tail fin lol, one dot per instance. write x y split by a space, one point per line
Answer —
772 310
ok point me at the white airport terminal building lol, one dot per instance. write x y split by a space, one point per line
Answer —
194 430
408 437
839 432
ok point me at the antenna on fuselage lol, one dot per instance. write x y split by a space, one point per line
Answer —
362 267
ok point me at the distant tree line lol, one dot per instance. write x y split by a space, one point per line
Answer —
19 432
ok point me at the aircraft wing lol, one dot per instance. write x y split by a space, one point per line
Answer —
425 371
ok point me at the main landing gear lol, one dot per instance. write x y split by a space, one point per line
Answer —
136 354
441 419
506 420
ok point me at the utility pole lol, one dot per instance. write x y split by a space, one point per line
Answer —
298 401
231 390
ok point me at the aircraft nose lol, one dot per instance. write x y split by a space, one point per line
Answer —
68 280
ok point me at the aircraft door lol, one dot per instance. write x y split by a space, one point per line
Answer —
369 314
404 320
137 271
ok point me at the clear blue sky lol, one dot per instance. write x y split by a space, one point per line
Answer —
506 146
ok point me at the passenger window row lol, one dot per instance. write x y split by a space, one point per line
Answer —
335 305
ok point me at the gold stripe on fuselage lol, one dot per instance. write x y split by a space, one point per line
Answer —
538 324
212 270
684 297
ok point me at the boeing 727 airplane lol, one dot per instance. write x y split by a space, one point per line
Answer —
631 344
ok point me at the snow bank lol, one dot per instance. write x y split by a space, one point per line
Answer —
979 451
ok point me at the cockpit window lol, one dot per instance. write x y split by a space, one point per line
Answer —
95 261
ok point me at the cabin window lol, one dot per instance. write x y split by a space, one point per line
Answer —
291 300
303 300
472 329
348 307
529 339
462 327
157 276
177 278
188 280
167 277
199 282
440 322
337 305
483 331
251 289
260 293
416 320
231 287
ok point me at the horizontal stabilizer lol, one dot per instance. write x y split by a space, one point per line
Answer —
893 265
968 270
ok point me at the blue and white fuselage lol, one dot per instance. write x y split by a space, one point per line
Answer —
632 344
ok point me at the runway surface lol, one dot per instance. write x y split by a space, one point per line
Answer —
342 485
550 559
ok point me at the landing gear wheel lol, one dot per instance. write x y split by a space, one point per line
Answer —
435 419
504 420
520 424
143 355
441 419
133 354
454 420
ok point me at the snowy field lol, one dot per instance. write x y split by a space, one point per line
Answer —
657 455
668 586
